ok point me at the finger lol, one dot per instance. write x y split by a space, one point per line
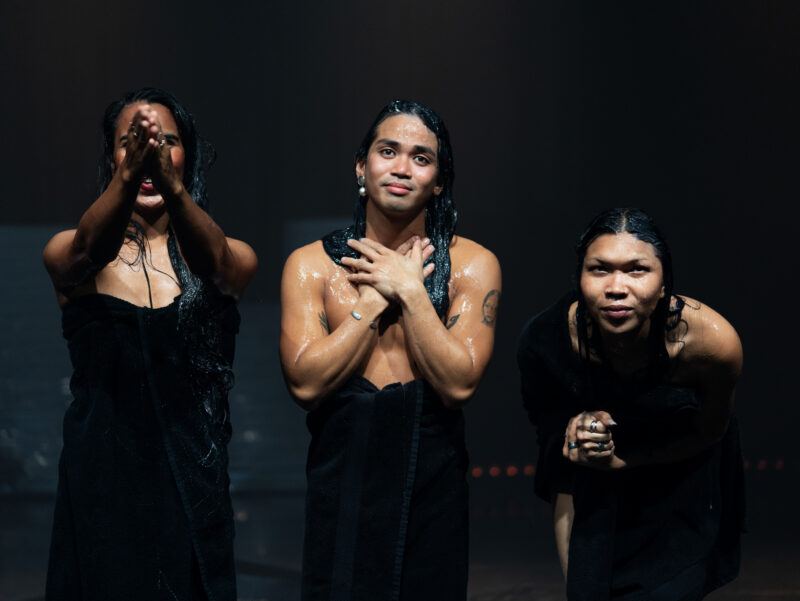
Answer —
428 269
416 251
376 246
406 246
597 447
427 251
361 278
596 452
591 423
593 437
364 249
359 264
605 418
572 436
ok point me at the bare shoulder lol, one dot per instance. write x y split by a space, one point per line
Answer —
309 262
57 246
470 259
709 337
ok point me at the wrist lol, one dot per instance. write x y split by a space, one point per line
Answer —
412 295
174 192
371 307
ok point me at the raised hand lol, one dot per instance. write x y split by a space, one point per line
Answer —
140 143
388 271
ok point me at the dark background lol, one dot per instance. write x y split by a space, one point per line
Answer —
556 111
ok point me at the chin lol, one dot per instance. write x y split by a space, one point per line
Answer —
149 203
628 326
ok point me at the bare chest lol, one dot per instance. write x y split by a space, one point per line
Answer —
144 279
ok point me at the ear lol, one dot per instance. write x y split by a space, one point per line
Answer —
438 190
663 292
360 168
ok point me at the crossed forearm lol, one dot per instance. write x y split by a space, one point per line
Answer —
444 361
325 364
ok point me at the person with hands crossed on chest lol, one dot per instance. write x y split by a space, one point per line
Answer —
385 332
147 284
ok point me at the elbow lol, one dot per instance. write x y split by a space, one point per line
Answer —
455 397
307 397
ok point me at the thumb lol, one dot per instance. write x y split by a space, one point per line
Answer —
605 418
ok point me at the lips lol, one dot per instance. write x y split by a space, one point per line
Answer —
617 312
147 186
397 188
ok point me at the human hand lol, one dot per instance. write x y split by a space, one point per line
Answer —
166 178
390 272
140 144
588 440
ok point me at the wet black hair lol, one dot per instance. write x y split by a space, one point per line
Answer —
198 323
441 215
200 154
665 317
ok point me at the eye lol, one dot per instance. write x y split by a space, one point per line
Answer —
598 269
386 152
422 160
171 140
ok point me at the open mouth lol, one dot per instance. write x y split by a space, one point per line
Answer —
146 186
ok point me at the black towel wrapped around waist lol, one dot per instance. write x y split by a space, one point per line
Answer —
386 508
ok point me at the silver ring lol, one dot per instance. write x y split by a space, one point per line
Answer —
601 446
572 445
593 426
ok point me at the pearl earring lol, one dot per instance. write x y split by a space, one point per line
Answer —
362 191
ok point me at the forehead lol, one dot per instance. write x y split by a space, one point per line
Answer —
620 247
407 130
164 115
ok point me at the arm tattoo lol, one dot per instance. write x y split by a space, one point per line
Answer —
323 320
452 321
490 303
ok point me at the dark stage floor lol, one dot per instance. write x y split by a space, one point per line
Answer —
512 552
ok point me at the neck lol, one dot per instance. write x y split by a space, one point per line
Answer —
392 232
627 351
154 224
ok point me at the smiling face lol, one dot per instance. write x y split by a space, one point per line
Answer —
148 197
622 281
401 166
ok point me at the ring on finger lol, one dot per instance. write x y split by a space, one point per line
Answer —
593 426
601 446
572 445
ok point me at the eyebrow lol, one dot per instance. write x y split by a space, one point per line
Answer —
417 149
631 261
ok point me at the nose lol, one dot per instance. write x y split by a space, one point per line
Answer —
615 286
402 167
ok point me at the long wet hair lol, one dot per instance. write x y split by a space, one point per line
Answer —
212 377
441 216
665 317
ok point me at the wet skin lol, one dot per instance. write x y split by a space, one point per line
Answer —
322 344
622 282
147 188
